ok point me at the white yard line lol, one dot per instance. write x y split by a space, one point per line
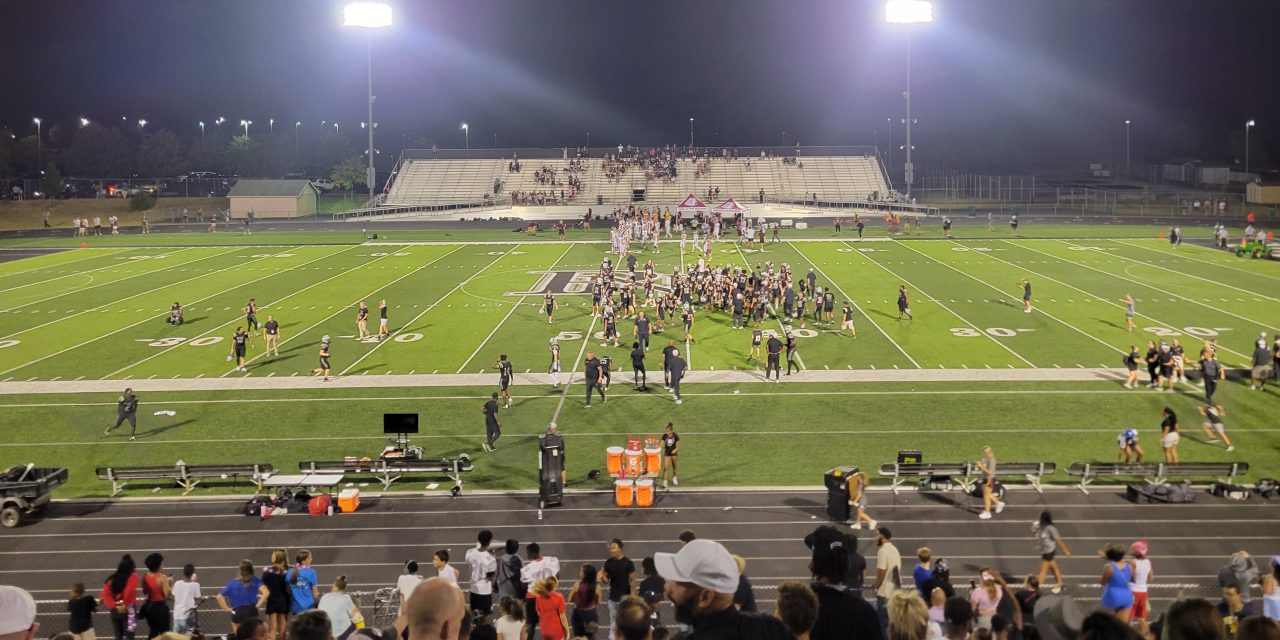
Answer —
90 255
1182 254
1016 299
1168 293
424 312
149 318
857 306
144 273
573 369
515 306
346 307
69 275
240 318
1115 304
939 302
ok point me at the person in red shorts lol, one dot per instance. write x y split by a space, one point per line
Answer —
1142 575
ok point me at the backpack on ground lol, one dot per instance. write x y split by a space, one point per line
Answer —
1162 493
997 490
1267 488
319 505
254 506
1230 491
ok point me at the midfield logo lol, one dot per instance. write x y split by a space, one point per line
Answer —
579 282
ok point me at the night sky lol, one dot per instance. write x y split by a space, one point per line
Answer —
1027 83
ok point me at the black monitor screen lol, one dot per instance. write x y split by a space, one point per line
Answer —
399 423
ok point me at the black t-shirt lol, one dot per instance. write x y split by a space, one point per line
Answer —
669 441
637 357
484 631
857 570
745 597
652 589
239 339
1027 602
81 609
363 313
642 326
504 369
731 624
1170 422
842 615
676 366
382 311
775 346
593 371
666 355
491 411
619 572
272 327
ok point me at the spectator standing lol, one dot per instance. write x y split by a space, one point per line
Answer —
508 572
1117 597
435 610
1241 572
586 598
1142 575
985 597
407 581
243 596
80 608
797 607
155 588
445 572
536 567
652 588
957 619
1048 542
634 620
856 576
744 598
1271 591
553 625
119 593
17 613
186 593
923 571
1193 619
888 572
483 567
841 614
909 618
619 574
342 611
126 409
510 625
302 583
309 625
701 579
1233 609
278 593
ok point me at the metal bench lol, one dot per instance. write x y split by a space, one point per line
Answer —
1155 472
967 474
387 471
186 475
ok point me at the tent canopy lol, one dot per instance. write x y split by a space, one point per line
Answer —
691 203
730 207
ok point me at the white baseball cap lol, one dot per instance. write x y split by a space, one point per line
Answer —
17 610
705 563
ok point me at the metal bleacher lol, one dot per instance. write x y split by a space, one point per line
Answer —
849 178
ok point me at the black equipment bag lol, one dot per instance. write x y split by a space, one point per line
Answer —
1230 491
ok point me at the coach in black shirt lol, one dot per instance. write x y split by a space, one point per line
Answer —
594 378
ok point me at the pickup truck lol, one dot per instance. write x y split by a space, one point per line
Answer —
25 490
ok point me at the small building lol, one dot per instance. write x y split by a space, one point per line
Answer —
1262 193
273 198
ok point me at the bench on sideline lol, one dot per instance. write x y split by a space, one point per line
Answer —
387 471
966 474
1155 472
186 475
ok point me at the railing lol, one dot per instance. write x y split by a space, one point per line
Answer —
545 153
382 212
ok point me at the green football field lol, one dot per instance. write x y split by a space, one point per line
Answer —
971 368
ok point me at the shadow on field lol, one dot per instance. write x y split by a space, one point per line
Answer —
882 313
159 430
274 360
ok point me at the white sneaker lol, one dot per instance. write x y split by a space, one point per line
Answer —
675 481
985 515
679 401
664 484
872 525
1231 448
857 526
999 507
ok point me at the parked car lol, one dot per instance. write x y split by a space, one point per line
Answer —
198 175
323 184
122 190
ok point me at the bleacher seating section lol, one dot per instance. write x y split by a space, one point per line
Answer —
832 178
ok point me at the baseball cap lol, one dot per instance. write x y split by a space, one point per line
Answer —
703 562
17 610
826 540
957 611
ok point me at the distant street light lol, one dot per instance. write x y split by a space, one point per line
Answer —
1126 148
271 125
142 124
39 148
201 129
335 128
368 15
295 136
245 124
908 12
220 120
1247 126
466 134
84 122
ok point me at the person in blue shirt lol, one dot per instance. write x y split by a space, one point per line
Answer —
244 596
302 584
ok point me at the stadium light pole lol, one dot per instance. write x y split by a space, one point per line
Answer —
1247 126
908 12
1126 148
271 126
40 151
466 135
201 123
295 136
368 15
245 124
690 132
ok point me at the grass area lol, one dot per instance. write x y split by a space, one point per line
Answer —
456 305
29 214
753 435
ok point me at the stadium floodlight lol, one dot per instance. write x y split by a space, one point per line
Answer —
220 120
908 11
201 123
40 150
84 122
1126 146
1247 126
142 124
368 15
466 134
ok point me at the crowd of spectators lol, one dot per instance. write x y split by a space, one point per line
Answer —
509 596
